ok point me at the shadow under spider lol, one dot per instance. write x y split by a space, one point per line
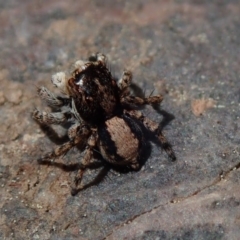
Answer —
52 135
76 166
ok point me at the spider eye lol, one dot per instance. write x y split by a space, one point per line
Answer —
79 82
82 84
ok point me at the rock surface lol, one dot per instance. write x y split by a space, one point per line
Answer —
185 50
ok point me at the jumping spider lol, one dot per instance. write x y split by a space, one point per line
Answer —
103 116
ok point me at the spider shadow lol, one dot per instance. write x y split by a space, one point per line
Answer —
52 135
77 166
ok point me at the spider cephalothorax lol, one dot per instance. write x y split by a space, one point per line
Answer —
102 115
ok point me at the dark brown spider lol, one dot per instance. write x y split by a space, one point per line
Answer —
103 116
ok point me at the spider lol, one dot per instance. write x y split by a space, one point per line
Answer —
103 114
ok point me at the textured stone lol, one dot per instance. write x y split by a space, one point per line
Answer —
185 49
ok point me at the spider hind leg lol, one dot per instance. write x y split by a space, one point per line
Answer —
156 129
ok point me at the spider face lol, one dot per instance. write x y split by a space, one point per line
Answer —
102 116
94 92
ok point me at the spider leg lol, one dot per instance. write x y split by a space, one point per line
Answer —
51 99
125 81
50 118
45 119
156 129
99 177
88 156
59 80
133 101
84 163
80 138
73 130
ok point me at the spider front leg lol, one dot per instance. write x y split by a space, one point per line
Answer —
51 99
125 81
80 138
155 128
50 118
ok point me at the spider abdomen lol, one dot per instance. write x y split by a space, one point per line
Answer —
120 140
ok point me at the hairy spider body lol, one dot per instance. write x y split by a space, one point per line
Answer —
120 141
102 113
